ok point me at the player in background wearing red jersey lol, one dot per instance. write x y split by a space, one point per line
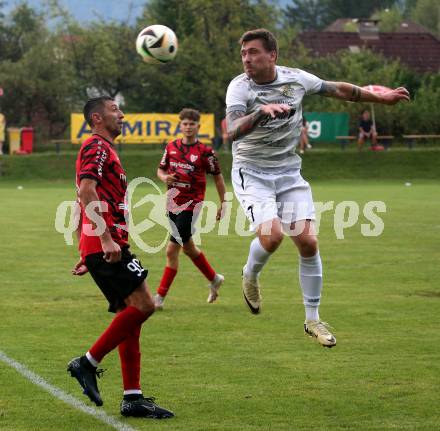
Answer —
105 254
183 168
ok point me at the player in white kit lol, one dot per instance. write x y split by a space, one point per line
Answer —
264 118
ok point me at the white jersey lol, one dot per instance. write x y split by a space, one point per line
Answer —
272 143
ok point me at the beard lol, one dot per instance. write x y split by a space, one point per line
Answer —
115 130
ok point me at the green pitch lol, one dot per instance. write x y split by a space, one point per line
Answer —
217 366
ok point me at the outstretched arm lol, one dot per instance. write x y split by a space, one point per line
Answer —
353 93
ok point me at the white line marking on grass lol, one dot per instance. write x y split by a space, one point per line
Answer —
63 396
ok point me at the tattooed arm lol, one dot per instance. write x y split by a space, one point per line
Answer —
353 93
239 124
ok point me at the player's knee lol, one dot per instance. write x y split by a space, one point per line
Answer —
141 300
172 253
146 307
150 309
309 247
271 242
188 250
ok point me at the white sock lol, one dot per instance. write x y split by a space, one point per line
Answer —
92 360
258 256
216 279
310 279
132 392
312 313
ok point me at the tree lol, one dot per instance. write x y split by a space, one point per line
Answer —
47 72
421 115
104 57
317 14
390 19
26 26
38 88
355 8
208 56
427 13
38 82
307 14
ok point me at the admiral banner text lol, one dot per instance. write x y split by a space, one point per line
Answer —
145 128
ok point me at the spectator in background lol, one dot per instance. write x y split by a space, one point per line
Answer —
2 132
367 130
304 138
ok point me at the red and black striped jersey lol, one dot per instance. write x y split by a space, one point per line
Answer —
98 160
189 163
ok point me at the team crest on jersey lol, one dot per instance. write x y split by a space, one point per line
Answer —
193 158
287 90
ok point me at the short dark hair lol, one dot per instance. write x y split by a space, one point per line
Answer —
93 105
269 40
189 114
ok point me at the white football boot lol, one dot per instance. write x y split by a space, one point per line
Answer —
214 287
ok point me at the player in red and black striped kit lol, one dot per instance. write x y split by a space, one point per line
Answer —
183 168
105 254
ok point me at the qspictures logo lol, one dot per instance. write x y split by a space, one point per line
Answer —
145 198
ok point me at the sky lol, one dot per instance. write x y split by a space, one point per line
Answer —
86 10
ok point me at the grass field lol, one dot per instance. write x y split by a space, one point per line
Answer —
217 366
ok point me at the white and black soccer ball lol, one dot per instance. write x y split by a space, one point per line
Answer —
157 44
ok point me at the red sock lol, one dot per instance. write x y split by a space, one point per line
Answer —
204 266
167 278
130 356
123 325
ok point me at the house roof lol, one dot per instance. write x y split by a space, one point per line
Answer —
407 26
419 51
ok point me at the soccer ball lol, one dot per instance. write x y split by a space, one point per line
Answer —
157 44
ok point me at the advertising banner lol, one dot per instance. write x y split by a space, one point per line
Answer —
145 128
325 126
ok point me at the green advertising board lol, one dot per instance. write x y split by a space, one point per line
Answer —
325 126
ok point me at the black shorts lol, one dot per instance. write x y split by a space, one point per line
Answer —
183 227
116 280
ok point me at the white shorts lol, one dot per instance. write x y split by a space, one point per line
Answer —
265 196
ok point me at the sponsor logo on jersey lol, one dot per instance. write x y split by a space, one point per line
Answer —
181 185
288 90
182 165
211 160
164 157
101 158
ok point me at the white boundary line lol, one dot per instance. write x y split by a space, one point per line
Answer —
63 396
